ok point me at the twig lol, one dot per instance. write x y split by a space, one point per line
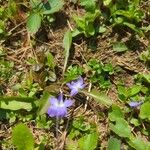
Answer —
9 32
69 25
87 98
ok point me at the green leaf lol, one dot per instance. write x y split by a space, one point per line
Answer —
34 22
89 29
79 124
123 92
145 55
143 77
146 28
99 97
85 24
145 111
119 47
114 144
50 60
116 113
22 138
88 4
76 32
35 3
67 41
51 76
88 142
72 73
44 103
135 122
55 5
135 89
134 28
139 144
107 2
102 29
121 128
17 103
108 68
71 144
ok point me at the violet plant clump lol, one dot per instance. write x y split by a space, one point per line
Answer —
135 104
58 106
76 85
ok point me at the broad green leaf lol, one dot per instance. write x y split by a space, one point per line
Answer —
85 24
114 144
134 90
119 47
88 4
76 32
90 17
99 97
123 92
139 144
22 138
34 22
134 28
145 111
67 41
121 128
89 29
88 142
122 13
116 113
143 77
80 21
17 103
55 5
135 122
44 103
50 60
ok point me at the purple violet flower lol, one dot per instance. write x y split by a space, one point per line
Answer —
58 107
135 104
76 85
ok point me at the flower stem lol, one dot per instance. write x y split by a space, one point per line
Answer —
57 133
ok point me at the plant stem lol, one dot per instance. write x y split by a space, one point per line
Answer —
57 128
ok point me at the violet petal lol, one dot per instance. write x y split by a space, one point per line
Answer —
61 112
73 92
135 104
68 103
53 101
